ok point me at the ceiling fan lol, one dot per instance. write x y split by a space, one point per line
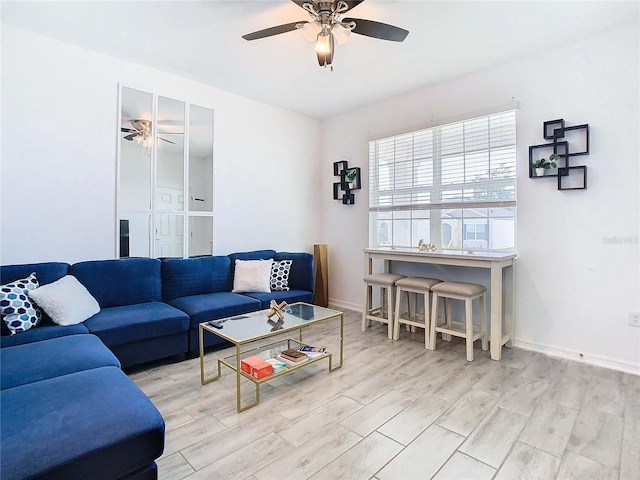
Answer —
141 133
328 24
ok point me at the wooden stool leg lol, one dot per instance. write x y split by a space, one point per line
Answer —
430 339
407 295
469 328
367 306
427 318
448 312
483 323
396 321
389 311
415 311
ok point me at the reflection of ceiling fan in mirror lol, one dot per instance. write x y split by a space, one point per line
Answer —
327 22
141 133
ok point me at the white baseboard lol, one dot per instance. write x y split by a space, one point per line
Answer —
596 360
345 305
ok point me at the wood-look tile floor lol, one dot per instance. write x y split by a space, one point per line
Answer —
398 411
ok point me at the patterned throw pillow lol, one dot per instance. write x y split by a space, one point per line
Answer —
17 310
280 275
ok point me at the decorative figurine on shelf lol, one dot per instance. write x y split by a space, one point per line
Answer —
426 247
276 309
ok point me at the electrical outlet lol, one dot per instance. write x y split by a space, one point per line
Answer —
634 319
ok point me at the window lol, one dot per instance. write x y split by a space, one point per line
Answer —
452 185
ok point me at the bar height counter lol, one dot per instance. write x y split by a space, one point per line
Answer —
502 290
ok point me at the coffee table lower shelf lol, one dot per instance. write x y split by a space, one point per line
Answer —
273 349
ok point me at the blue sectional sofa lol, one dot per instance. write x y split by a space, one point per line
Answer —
95 422
150 308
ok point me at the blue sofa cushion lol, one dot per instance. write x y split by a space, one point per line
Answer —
253 255
125 281
19 313
46 272
131 323
42 332
33 362
182 277
75 427
291 296
301 275
202 308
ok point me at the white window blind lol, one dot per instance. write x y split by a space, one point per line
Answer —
443 184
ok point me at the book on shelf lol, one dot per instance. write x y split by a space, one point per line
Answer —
312 352
294 355
290 362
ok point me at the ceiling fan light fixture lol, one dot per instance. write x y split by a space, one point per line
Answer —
341 33
310 30
325 47
328 24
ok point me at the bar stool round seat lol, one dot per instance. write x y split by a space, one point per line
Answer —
416 286
459 291
384 312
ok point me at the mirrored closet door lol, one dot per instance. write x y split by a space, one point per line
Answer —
165 181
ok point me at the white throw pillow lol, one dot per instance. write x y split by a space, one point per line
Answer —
66 301
252 276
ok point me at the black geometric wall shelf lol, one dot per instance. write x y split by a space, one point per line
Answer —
566 142
349 181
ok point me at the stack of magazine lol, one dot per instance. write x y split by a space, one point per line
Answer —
312 352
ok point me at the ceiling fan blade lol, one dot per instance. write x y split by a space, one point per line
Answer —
127 130
165 140
268 32
384 31
130 137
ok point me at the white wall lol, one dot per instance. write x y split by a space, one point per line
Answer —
59 135
574 289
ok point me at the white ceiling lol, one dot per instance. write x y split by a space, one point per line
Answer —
201 40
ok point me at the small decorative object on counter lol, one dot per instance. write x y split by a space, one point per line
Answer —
426 247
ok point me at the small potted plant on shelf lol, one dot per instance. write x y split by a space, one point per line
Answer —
542 165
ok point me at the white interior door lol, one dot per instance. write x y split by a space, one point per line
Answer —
169 226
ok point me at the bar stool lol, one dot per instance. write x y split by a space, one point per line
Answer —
416 286
383 313
459 291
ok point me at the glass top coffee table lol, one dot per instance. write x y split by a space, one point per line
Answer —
246 332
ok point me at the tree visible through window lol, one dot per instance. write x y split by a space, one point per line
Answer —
452 185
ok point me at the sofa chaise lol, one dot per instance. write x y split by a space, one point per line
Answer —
68 412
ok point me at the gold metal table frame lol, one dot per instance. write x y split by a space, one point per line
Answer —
245 329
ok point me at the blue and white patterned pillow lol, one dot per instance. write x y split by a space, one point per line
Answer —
280 275
18 311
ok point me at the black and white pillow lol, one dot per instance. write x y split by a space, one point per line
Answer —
280 275
18 311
